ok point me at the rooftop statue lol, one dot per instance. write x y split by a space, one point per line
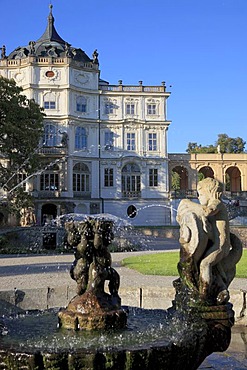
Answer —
209 252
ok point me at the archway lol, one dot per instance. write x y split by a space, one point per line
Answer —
179 179
233 179
205 172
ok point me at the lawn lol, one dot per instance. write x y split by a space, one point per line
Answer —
166 264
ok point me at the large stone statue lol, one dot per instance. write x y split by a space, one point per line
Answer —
209 252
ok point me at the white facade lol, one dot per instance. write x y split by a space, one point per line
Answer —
104 146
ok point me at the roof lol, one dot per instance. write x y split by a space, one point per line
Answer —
50 44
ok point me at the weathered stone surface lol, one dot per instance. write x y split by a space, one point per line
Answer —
57 296
91 312
156 297
130 296
30 299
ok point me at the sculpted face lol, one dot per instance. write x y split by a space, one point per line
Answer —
203 196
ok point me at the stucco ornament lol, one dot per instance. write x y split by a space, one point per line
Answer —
209 252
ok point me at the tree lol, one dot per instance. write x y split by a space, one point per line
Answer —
198 148
224 144
21 127
230 145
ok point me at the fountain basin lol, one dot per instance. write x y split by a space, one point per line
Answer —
153 339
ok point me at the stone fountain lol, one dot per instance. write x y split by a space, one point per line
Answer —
93 308
95 332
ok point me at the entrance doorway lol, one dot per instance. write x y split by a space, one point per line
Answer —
48 213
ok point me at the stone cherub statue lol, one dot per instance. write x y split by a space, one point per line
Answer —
209 252
92 307
92 265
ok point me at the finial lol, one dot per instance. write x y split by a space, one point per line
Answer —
50 6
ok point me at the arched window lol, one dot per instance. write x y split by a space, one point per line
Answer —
80 138
49 101
233 179
81 104
81 178
131 181
50 135
49 180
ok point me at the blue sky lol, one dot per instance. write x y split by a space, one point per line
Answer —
197 46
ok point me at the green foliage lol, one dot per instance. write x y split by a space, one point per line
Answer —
230 145
19 199
175 181
21 127
200 176
224 144
198 148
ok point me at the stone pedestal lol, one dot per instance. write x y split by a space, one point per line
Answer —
90 311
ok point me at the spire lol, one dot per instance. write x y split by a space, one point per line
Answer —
50 33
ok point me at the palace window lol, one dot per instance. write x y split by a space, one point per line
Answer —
81 104
109 108
49 180
21 180
130 108
109 138
131 181
131 141
50 135
108 177
151 109
80 138
152 141
81 177
49 101
153 177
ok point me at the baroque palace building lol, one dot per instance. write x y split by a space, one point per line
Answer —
104 146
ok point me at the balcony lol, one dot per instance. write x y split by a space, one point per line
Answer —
53 150
131 194
46 194
134 88
82 194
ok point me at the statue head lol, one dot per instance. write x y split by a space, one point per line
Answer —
209 190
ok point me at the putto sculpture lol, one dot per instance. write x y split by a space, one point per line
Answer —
93 308
209 252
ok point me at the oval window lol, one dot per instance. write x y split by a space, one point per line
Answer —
131 211
50 74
